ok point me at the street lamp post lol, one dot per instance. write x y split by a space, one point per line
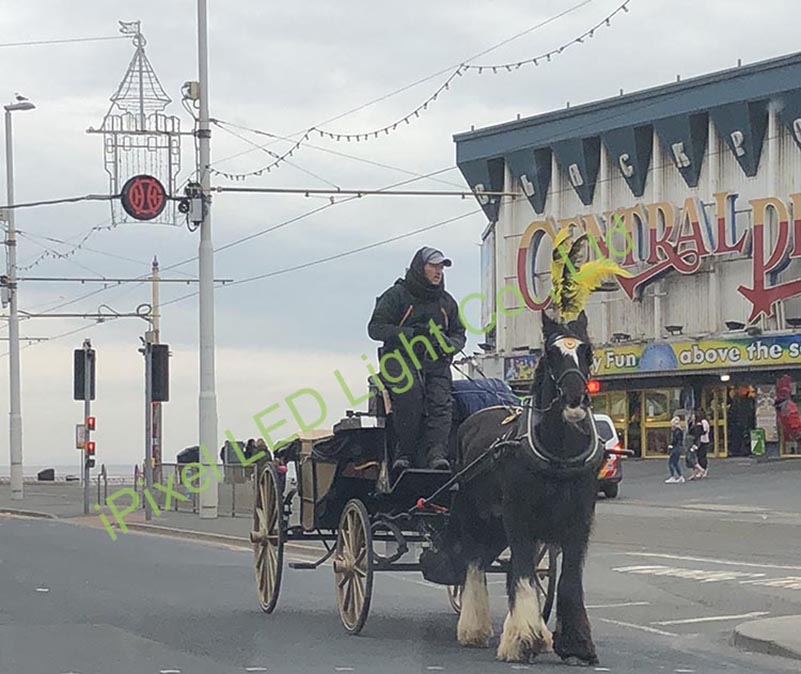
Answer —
207 400
15 412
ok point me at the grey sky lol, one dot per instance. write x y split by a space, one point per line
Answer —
282 67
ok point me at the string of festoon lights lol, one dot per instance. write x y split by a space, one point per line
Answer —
406 120
58 255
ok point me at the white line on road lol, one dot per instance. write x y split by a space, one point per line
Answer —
725 562
343 669
170 671
621 605
435 669
712 618
255 669
652 630
602 669
684 671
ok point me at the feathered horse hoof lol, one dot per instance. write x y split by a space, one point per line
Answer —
575 661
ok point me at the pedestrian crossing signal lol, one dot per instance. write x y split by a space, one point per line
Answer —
90 447
90 423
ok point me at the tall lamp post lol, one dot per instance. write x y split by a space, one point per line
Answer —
15 416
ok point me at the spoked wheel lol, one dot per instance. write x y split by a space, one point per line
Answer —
545 576
267 537
455 597
353 566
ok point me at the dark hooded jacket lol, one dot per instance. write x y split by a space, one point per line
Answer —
408 307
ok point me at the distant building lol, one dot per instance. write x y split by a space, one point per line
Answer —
703 178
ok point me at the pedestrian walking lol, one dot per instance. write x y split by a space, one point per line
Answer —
695 429
675 449
704 444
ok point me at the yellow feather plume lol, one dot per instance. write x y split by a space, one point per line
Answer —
558 258
572 281
586 279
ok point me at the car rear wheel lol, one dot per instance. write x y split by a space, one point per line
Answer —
611 490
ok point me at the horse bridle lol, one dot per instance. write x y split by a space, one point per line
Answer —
550 461
557 382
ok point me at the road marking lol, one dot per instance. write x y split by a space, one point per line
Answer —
343 669
706 560
42 589
621 605
689 574
712 618
684 671
602 669
789 582
255 669
652 630
435 669
170 671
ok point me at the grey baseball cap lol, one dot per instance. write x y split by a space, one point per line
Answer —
434 256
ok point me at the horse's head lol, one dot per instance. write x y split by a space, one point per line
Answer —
565 366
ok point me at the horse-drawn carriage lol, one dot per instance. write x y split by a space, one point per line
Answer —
366 519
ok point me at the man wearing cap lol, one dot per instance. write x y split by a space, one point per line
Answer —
419 320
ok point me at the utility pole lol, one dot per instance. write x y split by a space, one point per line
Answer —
207 399
87 412
15 403
156 428
148 351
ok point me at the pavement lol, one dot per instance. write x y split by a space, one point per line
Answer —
706 566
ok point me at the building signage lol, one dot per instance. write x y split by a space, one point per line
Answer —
682 356
651 240
519 368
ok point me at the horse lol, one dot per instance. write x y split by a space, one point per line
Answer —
541 488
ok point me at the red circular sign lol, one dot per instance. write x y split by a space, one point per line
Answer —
143 197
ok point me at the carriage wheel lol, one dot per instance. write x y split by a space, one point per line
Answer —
545 576
267 537
353 566
455 597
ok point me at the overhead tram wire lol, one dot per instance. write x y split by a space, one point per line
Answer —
256 146
456 70
36 43
337 256
298 218
423 80
221 123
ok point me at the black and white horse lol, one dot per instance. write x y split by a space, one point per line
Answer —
542 489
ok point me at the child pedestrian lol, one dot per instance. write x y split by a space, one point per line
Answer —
675 448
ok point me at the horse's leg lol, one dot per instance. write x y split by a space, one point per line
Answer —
475 624
573 637
525 634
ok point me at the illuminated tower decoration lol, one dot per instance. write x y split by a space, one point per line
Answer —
138 137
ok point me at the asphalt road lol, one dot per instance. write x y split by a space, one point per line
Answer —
666 584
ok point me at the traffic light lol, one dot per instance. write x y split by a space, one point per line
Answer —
90 453
90 423
160 372
79 374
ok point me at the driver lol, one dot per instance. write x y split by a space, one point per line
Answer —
419 320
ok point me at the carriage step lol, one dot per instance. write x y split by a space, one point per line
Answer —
302 566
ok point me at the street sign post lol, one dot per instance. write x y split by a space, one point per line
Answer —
80 436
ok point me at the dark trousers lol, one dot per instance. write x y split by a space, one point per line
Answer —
703 448
421 416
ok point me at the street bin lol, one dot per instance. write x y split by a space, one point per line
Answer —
758 442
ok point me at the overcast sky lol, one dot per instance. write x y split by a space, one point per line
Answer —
281 68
